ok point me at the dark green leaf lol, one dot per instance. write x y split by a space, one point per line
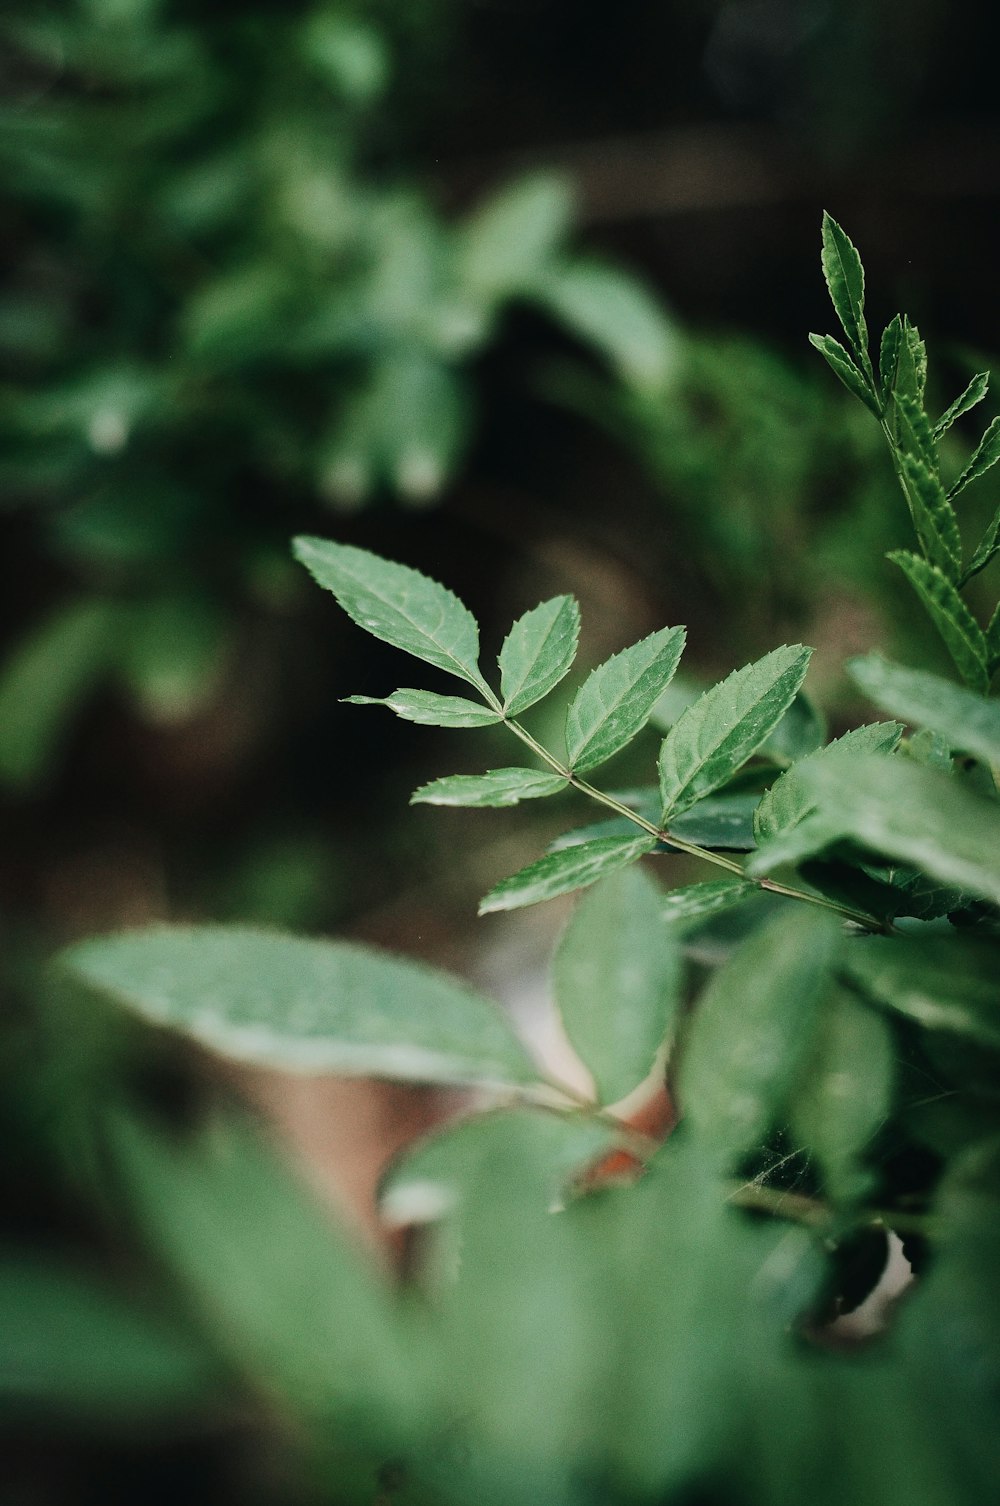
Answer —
726 726
689 906
843 367
933 517
616 977
559 872
911 371
943 982
973 394
615 700
966 721
305 1005
986 455
500 787
959 630
537 652
431 710
788 801
845 279
914 434
888 359
718 821
993 640
985 550
801 731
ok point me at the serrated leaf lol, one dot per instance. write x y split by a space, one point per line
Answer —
801 731
943 982
914 434
789 800
304 1005
966 721
911 372
933 516
690 905
560 872
845 278
844 368
397 604
984 551
431 710
973 394
750 1030
537 652
726 726
986 455
616 977
888 358
500 787
615 700
959 630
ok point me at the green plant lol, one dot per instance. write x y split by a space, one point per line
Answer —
672 1337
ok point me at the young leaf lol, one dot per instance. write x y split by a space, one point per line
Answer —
726 726
933 516
431 710
500 787
616 976
537 652
914 435
397 604
961 633
973 394
750 1030
911 371
694 903
987 454
965 721
942 982
845 278
789 800
987 547
888 358
558 872
616 698
304 1005
843 367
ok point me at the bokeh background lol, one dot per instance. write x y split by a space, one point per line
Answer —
517 293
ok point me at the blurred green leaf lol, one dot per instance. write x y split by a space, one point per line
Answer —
506 245
965 721
789 800
612 311
943 982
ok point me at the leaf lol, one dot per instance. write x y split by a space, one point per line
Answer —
616 977
933 516
500 787
942 982
973 394
537 652
843 367
789 799
304 1005
844 1095
915 436
751 1028
986 455
431 710
397 604
888 358
718 821
984 551
690 905
726 726
845 278
618 315
911 372
966 721
993 640
509 240
616 698
959 630
559 872
801 731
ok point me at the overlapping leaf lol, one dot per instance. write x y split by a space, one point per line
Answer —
789 800
694 903
962 635
615 700
943 982
537 652
966 721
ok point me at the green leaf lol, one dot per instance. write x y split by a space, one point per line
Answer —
911 371
616 975
942 982
508 242
431 710
973 394
718 821
689 906
966 721
986 455
914 435
801 731
304 1005
170 654
751 1029
843 367
845 1092
559 872
984 551
537 652
959 630
618 315
789 799
845 278
993 640
888 358
397 604
616 698
933 516
726 726
500 787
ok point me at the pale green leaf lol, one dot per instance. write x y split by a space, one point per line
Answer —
615 700
559 872
304 1005
617 314
845 279
986 455
843 367
430 709
751 1030
789 800
967 722
933 516
537 652
973 394
959 630
985 550
722 729
500 787
397 604
694 903
888 359
943 982
508 241
616 975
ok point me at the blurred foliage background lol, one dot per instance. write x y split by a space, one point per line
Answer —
516 291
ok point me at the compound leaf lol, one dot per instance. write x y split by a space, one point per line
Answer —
430 709
959 630
973 394
500 787
986 455
615 700
537 652
845 278
966 721
559 872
